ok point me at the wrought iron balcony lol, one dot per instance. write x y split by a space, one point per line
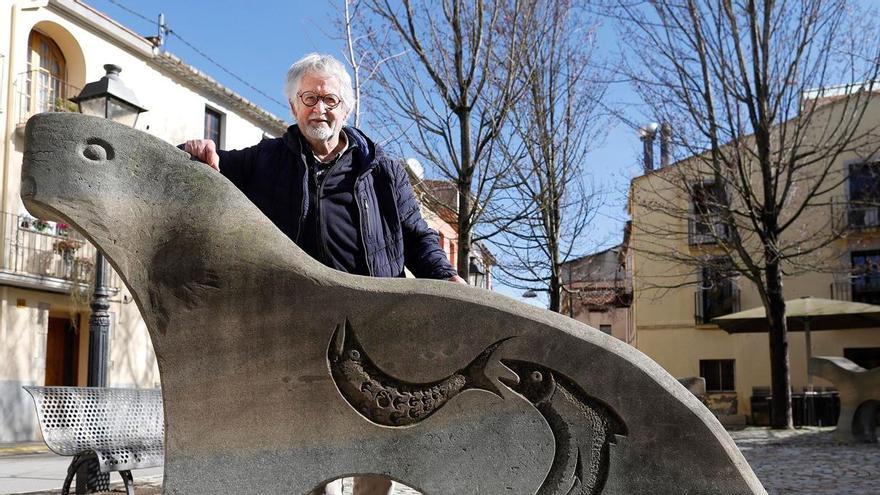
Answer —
706 231
864 289
722 299
45 255
38 91
855 215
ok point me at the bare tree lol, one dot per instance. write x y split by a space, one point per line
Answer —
745 85
552 128
365 50
449 93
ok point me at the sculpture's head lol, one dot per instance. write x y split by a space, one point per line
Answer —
103 177
535 383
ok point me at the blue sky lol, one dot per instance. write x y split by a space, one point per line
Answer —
259 39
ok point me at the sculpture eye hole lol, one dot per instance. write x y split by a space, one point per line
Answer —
98 150
354 354
536 376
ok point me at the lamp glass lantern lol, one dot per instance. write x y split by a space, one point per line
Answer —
110 98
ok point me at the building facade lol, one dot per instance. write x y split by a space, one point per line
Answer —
597 290
53 48
674 302
439 207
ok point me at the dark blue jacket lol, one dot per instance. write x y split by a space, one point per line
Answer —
274 177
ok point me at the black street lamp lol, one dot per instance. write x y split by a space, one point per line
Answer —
111 99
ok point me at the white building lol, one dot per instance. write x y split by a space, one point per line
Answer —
50 50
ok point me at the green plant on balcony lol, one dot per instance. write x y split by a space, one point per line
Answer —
65 105
83 268
35 224
66 248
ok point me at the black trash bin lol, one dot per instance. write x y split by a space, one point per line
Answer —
760 402
798 409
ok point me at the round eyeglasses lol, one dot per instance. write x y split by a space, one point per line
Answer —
311 99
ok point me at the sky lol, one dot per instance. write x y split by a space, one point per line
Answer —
256 41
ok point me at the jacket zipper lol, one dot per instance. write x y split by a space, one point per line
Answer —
304 207
364 215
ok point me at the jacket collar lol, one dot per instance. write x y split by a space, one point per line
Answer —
365 151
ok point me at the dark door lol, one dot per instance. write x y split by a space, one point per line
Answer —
62 353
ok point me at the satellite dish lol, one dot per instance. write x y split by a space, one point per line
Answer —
415 167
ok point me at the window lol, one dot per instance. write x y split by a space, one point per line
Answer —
718 294
605 329
213 126
864 195
866 357
866 276
47 89
719 374
705 227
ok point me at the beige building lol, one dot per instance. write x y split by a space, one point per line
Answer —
597 290
674 302
48 51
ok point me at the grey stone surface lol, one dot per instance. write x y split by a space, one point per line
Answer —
264 394
859 391
695 385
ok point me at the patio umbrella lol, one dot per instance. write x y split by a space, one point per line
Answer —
806 314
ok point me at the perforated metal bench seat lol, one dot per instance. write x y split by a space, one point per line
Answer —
121 429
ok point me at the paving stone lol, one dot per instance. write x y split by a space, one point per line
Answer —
810 461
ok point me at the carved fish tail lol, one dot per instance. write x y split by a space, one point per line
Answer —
475 372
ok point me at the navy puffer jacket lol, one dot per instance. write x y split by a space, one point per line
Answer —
274 177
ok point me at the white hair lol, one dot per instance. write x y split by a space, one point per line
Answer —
322 64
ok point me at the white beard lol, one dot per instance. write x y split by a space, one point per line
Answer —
323 132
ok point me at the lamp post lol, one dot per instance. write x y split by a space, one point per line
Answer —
108 98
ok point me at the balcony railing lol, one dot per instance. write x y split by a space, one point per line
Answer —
38 91
714 302
855 215
864 289
46 255
703 232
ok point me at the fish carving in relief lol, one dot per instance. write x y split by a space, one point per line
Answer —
583 427
389 401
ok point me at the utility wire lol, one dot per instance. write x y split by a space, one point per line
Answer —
200 52
224 69
136 14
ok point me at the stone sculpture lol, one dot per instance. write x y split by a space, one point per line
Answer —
279 373
859 391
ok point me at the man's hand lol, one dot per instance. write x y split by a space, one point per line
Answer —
457 279
203 150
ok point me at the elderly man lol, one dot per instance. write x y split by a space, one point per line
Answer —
329 188
334 192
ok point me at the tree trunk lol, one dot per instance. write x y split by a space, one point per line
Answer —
780 380
556 294
463 261
464 195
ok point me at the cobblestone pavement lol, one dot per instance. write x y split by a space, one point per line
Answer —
809 461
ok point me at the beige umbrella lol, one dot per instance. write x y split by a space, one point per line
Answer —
806 314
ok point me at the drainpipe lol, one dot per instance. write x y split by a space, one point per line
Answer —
9 132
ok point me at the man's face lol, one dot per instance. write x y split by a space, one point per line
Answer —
319 122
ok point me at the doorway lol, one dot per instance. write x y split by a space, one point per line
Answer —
62 353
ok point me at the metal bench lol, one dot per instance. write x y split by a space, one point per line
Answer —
118 429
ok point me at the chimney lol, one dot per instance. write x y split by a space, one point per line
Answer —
646 135
665 136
